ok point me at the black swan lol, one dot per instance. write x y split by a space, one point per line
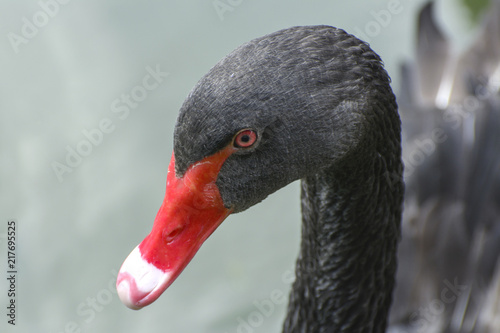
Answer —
311 103
314 103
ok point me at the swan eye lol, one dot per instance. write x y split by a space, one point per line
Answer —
245 138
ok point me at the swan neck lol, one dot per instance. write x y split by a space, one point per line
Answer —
347 261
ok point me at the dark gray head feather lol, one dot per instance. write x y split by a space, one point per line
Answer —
307 91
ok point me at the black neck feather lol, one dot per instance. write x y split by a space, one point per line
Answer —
351 225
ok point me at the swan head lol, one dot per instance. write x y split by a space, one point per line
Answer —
277 109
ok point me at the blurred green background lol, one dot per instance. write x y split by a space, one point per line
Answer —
65 67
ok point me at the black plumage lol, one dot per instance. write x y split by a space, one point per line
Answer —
321 103
449 273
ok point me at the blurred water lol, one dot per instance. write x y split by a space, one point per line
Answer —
66 77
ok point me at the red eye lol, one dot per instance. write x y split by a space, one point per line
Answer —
245 138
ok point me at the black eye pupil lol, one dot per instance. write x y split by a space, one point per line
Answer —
245 138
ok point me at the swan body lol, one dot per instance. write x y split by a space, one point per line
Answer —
448 277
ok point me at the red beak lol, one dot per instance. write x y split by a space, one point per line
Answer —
191 211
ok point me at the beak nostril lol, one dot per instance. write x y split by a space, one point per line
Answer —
172 235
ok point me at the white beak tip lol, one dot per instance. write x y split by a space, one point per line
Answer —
140 283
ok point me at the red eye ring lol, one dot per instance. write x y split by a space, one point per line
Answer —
245 138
